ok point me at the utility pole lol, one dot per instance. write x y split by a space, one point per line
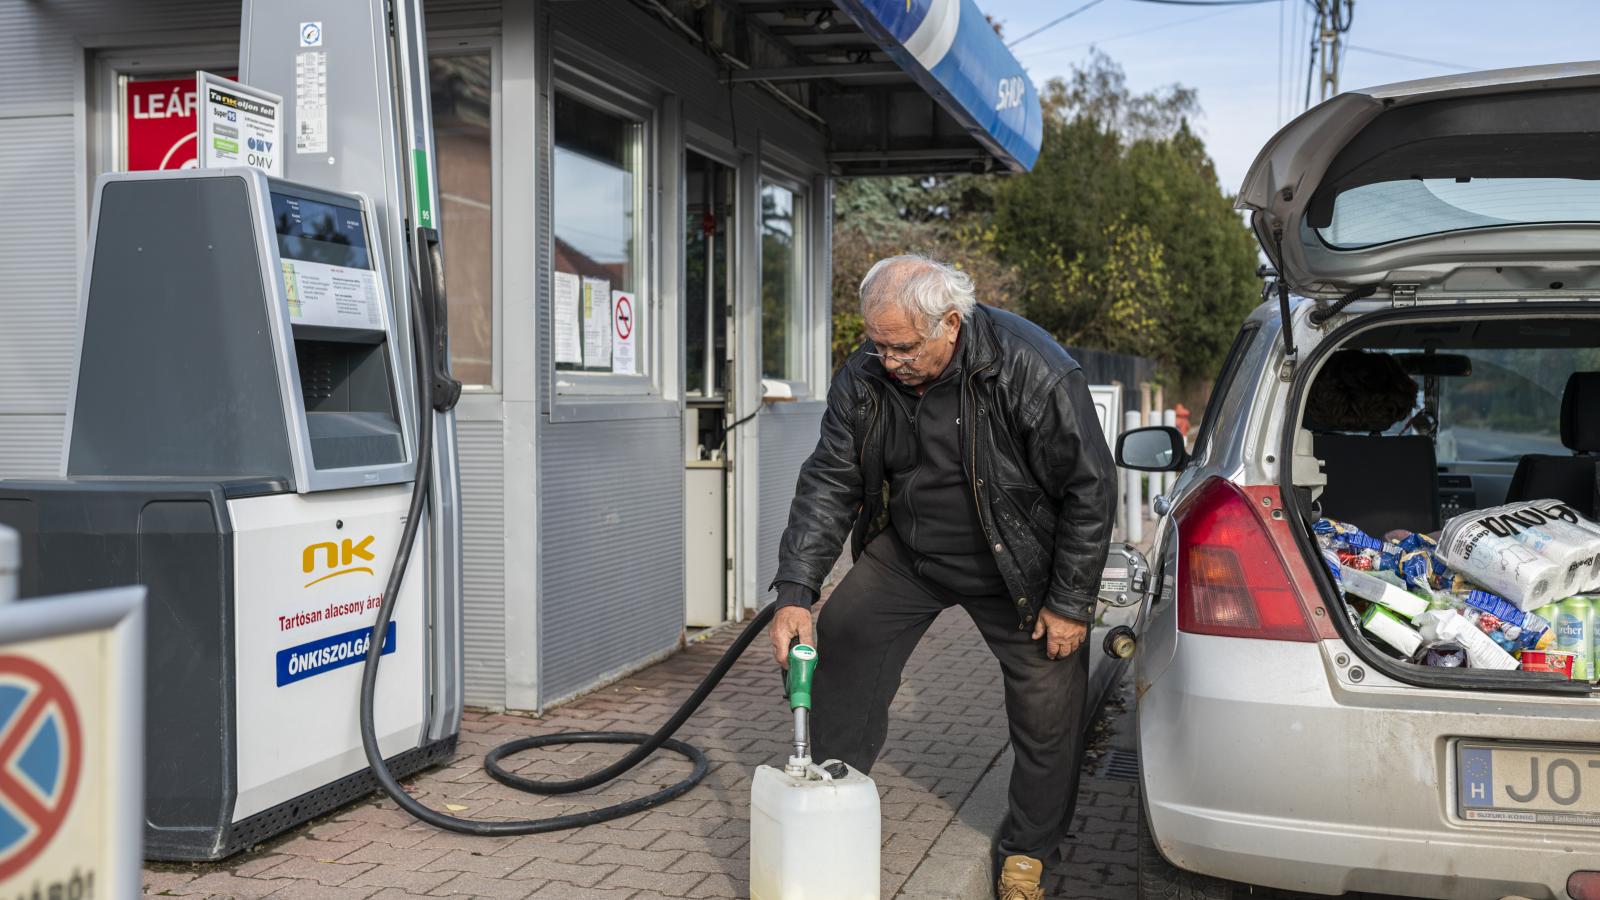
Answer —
1333 20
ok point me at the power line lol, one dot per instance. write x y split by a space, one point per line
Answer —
1209 2
1054 22
1129 34
1415 59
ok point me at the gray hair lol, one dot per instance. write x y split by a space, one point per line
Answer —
921 286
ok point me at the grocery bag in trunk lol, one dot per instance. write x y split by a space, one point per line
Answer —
1532 553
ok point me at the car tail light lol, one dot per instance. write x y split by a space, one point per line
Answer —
1584 886
1232 581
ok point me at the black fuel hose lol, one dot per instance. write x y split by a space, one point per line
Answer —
661 738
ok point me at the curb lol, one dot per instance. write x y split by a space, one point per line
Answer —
956 867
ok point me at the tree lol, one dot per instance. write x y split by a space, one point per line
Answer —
1119 239
942 218
1123 185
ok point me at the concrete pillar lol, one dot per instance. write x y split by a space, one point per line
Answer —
1169 418
10 564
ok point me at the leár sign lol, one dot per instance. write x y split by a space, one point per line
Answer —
158 124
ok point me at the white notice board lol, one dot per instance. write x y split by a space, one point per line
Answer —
72 725
239 125
1108 409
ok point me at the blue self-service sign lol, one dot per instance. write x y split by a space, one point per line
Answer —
326 654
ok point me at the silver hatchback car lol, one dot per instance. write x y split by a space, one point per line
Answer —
1430 345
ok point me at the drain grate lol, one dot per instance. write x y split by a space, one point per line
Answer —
1121 765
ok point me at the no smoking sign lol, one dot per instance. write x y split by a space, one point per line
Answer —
41 758
624 317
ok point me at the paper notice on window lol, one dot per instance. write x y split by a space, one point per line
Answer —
625 327
333 296
568 337
596 323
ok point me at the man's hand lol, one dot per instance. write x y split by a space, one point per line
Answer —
789 623
1061 634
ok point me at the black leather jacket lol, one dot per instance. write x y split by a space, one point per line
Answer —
1041 474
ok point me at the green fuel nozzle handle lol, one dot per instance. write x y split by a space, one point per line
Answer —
802 666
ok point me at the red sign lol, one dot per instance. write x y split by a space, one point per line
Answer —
624 317
158 124
41 748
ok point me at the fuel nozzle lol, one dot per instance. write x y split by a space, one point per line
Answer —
802 666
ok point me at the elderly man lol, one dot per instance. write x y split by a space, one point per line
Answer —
961 451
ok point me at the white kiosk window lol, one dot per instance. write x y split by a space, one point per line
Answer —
464 100
142 104
599 317
783 305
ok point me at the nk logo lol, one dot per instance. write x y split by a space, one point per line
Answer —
41 749
339 557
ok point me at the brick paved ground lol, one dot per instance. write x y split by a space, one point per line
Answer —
949 726
1099 859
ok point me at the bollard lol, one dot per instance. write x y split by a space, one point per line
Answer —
10 564
1134 511
1169 418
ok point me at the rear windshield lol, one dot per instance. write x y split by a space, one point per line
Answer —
1510 406
1386 211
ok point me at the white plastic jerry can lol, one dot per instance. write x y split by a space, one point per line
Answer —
814 833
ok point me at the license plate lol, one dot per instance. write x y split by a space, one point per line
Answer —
1528 783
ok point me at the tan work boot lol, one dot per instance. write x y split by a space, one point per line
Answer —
1019 879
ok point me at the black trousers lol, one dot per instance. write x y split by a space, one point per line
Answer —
867 631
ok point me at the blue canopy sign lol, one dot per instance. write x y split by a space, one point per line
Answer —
956 56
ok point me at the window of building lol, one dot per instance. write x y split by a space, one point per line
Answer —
144 105
783 308
462 85
708 230
598 316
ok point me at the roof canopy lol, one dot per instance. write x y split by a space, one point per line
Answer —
901 86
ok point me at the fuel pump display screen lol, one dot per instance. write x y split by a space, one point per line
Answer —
328 276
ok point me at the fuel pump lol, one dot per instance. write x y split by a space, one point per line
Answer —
237 442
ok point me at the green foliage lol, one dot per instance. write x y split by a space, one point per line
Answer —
937 217
1119 239
1124 188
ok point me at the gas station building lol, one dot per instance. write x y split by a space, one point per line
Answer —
634 198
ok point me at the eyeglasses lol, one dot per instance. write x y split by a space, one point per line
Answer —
909 360
902 360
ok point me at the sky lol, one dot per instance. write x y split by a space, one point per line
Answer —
1233 55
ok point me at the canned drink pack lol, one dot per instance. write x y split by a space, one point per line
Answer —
1574 627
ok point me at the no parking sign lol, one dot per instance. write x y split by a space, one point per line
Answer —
72 745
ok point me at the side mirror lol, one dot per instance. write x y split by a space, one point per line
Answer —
1158 448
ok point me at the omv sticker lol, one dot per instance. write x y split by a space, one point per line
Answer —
329 653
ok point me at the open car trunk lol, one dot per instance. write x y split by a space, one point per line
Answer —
1405 428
